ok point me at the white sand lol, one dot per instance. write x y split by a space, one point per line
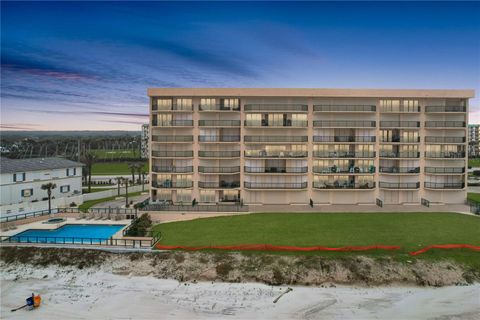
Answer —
68 293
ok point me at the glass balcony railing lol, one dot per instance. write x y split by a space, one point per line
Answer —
400 139
173 107
343 124
444 124
400 109
172 169
445 170
344 108
276 138
394 185
445 109
275 169
433 139
275 154
335 169
219 138
219 154
436 185
412 170
173 123
219 123
272 124
161 138
218 107
219 184
399 124
445 154
276 107
234 169
404 154
343 154
344 138
172 154
343 185
279 185
172 184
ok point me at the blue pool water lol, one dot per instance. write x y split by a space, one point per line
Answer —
70 233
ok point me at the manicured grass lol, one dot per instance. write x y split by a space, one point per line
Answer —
473 197
115 154
474 162
91 203
92 190
113 168
412 231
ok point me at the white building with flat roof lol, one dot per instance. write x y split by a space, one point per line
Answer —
21 183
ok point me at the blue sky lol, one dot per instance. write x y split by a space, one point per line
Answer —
86 65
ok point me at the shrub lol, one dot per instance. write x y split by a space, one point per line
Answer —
140 226
73 204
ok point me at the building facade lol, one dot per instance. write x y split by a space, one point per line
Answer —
298 146
145 141
473 140
22 179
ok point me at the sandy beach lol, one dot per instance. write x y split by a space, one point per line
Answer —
70 293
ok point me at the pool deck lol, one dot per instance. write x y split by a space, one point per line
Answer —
39 225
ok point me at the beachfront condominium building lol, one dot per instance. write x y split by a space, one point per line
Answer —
474 140
303 146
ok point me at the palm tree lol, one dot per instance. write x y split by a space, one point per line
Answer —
49 187
133 167
143 178
89 159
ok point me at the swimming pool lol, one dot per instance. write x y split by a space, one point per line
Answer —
69 233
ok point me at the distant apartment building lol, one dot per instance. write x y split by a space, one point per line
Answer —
473 140
22 179
293 146
144 141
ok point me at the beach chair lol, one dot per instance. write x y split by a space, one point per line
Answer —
98 216
89 216
81 216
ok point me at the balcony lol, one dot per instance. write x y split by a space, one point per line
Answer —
172 154
393 185
343 185
219 138
399 124
343 124
344 138
172 169
445 170
219 123
169 184
444 124
161 138
173 107
400 170
279 185
218 107
445 155
344 108
275 154
173 123
436 185
219 154
343 154
351 170
433 139
275 169
272 124
406 154
400 139
280 139
235 169
276 107
400 109
444 109
219 184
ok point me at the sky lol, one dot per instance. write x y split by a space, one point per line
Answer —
87 65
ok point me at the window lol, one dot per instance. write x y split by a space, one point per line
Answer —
64 189
164 104
184 104
71 172
184 195
19 177
27 193
207 195
207 104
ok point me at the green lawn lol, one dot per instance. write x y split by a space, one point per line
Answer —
474 162
412 231
113 168
91 203
115 154
92 190
473 197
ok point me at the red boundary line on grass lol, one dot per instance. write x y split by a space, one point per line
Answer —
445 246
269 247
